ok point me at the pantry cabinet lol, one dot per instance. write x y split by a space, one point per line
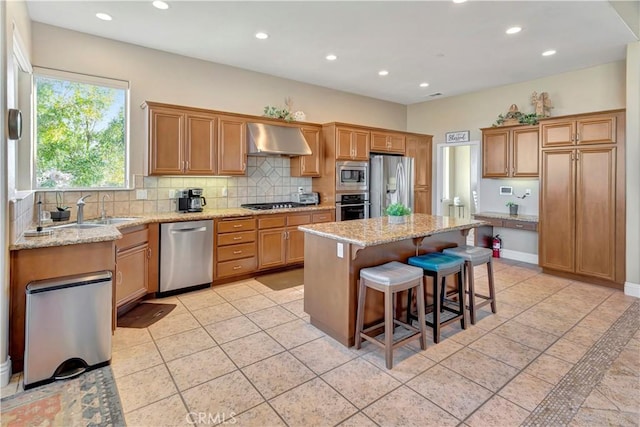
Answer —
181 141
383 142
582 204
510 152
309 165
419 148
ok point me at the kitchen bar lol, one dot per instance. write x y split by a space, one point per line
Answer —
335 253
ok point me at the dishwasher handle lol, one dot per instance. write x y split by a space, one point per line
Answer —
189 230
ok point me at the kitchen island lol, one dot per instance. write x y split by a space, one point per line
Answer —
335 252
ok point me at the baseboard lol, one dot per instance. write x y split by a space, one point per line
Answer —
5 372
632 289
519 256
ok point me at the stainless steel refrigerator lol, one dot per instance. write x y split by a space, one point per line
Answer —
391 181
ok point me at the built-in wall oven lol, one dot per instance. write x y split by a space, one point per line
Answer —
352 176
352 206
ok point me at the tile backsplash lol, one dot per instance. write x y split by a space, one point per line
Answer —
268 179
21 216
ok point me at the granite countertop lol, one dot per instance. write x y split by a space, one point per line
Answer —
377 231
504 215
72 236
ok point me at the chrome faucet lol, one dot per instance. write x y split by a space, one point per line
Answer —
80 204
103 213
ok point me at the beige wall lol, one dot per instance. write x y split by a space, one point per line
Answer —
164 77
592 89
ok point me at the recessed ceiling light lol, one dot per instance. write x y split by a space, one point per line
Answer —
459 1
103 16
331 57
262 36
383 73
549 52
513 30
425 84
160 4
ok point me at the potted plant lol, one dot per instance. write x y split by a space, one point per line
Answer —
61 213
513 208
397 213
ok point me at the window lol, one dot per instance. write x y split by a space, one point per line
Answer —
81 126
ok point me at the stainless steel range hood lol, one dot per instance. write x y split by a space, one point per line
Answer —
276 140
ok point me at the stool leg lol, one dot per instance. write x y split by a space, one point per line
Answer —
472 291
461 298
492 288
409 306
421 317
436 308
360 313
388 328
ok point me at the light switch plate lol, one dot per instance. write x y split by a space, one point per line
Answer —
340 250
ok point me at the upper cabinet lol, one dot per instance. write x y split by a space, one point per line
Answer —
309 165
383 142
232 146
352 144
596 129
510 152
190 141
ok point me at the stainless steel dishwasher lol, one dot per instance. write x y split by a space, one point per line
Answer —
186 256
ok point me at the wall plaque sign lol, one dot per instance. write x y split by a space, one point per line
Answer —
461 136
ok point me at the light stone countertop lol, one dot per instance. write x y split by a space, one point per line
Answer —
71 236
504 215
378 231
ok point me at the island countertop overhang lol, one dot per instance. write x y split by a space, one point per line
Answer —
378 231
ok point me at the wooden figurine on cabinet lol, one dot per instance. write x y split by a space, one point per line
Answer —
542 104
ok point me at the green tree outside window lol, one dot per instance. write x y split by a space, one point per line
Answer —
81 135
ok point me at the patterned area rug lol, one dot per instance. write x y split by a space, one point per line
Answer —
88 400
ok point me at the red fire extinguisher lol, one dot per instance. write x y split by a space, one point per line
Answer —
496 244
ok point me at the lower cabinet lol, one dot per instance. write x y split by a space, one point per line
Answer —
133 255
235 247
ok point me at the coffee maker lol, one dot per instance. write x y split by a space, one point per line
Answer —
190 200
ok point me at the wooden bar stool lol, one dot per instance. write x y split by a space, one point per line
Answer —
439 266
476 256
389 279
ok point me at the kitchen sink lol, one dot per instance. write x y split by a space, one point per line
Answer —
111 221
84 225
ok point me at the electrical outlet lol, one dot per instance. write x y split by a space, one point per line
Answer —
340 250
141 194
225 192
172 194
527 192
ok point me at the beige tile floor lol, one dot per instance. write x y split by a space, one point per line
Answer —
244 354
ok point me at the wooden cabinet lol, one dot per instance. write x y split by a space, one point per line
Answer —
382 142
571 131
232 146
235 247
181 141
582 203
352 144
510 152
419 148
133 255
309 165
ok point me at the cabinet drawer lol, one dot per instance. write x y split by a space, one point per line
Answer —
272 221
492 221
520 225
132 239
244 250
234 238
322 217
300 219
235 225
235 267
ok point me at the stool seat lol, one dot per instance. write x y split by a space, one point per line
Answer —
475 255
391 273
435 261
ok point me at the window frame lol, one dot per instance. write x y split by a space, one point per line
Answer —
85 79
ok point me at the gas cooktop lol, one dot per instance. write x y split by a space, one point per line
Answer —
267 206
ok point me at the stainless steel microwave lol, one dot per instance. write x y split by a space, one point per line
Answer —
352 176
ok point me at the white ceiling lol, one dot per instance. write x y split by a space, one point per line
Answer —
456 48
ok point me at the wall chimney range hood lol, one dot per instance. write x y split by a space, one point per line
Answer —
276 140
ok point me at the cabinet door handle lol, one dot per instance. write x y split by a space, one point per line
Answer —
237 252
519 226
237 267
119 278
237 238
149 253
237 226
577 137
187 166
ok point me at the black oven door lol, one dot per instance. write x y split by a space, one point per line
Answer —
352 211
